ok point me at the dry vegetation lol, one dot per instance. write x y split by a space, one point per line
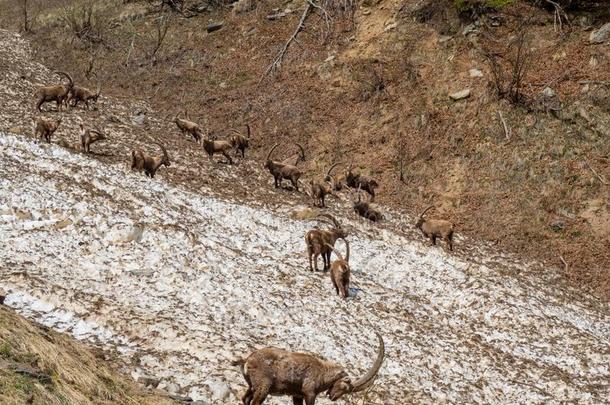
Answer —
40 366
370 80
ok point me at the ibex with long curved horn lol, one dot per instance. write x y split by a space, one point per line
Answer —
45 128
188 127
340 271
321 188
58 93
89 136
317 240
435 228
240 142
150 164
282 171
360 181
303 376
78 94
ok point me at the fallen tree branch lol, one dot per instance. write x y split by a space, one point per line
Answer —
277 62
327 18
507 131
594 172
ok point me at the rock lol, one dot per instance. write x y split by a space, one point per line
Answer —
557 225
2 298
139 118
63 224
548 92
460 95
390 26
214 27
149 381
243 6
469 29
601 35
220 390
475 73
276 16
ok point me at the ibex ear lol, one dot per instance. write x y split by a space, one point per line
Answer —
340 374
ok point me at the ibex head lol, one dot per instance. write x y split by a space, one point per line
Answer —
420 219
343 385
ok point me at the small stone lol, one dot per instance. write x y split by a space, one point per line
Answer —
214 27
557 225
148 381
63 224
601 35
390 26
139 118
276 16
366 11
16 130
548 92
460 95
469 29
475 73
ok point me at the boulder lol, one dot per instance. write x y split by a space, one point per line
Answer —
600 35
460 95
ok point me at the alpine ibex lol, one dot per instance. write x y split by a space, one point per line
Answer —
435 228
240 142
45 128
366 210
303 376
89 136
361 181
150 164
321 188
317 241
213 147
83 94
340 271
58 93
188 127
282 171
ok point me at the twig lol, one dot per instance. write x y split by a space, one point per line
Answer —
277 62
594 82
594 172
507 131
326 17
565 264
559 16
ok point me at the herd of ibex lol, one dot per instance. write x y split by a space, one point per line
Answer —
269 371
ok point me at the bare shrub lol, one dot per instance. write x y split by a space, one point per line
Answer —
509 61
86 22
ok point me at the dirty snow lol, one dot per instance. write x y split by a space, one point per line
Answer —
207 280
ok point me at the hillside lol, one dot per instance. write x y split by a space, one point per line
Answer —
172 278
41 366
373 87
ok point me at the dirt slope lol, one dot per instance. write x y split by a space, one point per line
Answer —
377 90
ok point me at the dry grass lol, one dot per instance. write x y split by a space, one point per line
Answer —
61 370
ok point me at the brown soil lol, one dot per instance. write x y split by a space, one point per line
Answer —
378 90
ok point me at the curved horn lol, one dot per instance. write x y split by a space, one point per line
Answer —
164 151
99 89
331 168
346 249
328 245
302 151
366 380
67 76
271 151
426 210
335 222
248 131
